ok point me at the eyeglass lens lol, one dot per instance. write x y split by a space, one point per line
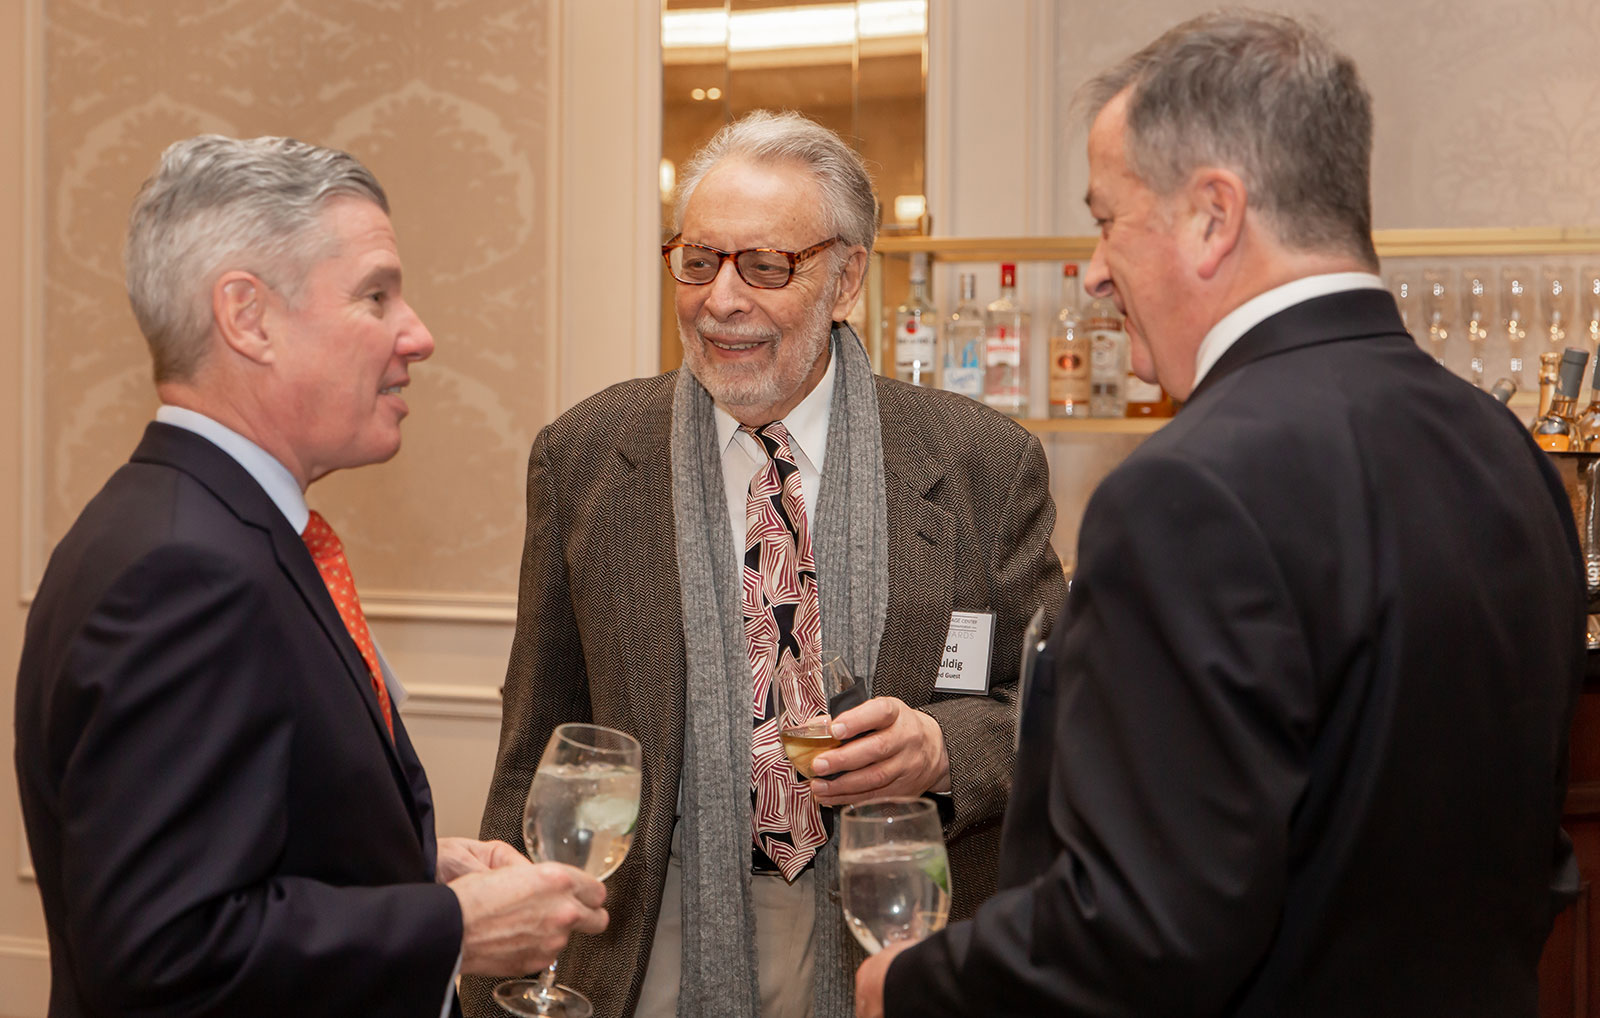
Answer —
693 264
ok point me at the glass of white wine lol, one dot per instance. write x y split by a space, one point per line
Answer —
583 808
894 876
804 711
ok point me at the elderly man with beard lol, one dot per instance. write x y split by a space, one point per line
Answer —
693 536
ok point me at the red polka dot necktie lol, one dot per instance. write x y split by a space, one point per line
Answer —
328 553
783 630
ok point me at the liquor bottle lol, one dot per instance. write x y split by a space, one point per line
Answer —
915 342
1069 353
1108 359
1556 431
1549 368
1505 388
962 368
1588 437
1005 349
1145 399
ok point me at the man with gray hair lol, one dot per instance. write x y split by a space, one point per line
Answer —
223 807
697 538
1297 745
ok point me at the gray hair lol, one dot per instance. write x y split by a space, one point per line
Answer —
1267 97
849 203
217 204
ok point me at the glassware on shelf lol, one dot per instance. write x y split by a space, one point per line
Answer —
1588 321
1477 314
915 341
1436 311
1557 304
1516 289
1404 288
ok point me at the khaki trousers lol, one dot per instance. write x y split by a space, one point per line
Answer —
785 917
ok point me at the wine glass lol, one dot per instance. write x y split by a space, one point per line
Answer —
1589 304
1516 284
1405 294
894 875
805 710
1436 310
1477 308
583 808
1557 301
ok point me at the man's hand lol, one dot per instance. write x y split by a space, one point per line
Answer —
870 977
516 918
899 751
460 856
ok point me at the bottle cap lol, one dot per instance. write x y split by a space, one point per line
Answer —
1069 269
919 267
1505 388
1573 362
1008 274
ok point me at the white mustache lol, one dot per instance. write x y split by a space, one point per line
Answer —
735 332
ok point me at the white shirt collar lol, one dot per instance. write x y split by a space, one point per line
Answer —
1263 306
273 476
807 423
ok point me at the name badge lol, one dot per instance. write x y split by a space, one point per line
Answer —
964 666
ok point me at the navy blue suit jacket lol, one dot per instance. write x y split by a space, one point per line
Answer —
218 820
1297 744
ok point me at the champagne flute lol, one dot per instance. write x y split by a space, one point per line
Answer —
582 810
1517 288
1477 295
894 875
1436 310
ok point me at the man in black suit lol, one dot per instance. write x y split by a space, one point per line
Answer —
1296 745
224 811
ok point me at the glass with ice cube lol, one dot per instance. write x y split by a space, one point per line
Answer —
894 877
582 810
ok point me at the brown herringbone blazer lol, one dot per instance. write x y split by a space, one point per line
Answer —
600 634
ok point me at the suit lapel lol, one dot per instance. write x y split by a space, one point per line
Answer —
922 552
235 488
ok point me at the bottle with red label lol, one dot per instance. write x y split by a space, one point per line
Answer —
1005 349
1069 353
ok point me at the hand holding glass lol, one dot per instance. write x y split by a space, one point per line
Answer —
894 876
582 810
802 710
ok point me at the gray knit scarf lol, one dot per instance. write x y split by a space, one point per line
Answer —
850 544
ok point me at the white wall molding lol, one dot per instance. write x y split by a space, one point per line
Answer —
429 606
24 947
441 700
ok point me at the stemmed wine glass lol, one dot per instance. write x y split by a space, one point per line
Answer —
583 808
894 875
1477 308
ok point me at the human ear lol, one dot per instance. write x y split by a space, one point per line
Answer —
850 280
1218 199
239 312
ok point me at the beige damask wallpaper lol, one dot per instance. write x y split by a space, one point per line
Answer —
447 102
1488 111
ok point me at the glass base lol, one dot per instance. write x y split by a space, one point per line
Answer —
523 997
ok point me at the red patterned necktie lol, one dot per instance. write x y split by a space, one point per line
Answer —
782 626
328 553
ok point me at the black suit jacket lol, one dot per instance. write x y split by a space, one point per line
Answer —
1297 745
219 823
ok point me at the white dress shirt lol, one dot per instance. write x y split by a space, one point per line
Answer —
742 455
1263 306
280 486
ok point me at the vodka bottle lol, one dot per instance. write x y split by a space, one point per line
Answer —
962 370
1108 359
915 341
1005 349
1069 353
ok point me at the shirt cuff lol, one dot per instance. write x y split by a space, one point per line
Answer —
450 990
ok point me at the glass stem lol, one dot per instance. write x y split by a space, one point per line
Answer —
546 999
